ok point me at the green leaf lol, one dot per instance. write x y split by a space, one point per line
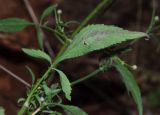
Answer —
32 74
130 83
40 37
52 112
2 111
48 11
96 37
50 93
37 99
47 90
65 84
13 24
37 54
72 110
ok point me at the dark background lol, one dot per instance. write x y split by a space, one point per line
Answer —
104 94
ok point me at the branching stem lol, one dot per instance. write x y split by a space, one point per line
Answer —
55 62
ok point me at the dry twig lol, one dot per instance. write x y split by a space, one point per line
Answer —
15 76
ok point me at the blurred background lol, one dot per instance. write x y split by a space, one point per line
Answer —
104 94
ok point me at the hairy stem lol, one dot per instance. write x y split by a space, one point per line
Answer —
99 7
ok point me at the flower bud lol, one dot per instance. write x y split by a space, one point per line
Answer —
42 99
134 67
156 18
59 11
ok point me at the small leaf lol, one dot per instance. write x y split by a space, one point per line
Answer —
48 11
50 93
33 105
65 84
47 90
72 110
38 99
2 111
21 100
37 54
32 74
13 24
40 37
130 83
96 37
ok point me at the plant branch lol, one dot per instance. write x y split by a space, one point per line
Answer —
31 12
36 111
90 75
15 76
99 7
44 77
55 31
86 77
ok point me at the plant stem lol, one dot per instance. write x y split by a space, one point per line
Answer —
55 31
25 105
99 7
86 77
30 10
44 77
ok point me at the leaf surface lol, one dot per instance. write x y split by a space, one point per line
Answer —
65 84
40 37
96 37
37 54
13 24
73 110
48 11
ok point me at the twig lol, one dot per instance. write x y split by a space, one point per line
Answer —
15 76
37 110
31 12
35 20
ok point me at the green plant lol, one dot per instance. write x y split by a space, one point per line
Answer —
42 98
